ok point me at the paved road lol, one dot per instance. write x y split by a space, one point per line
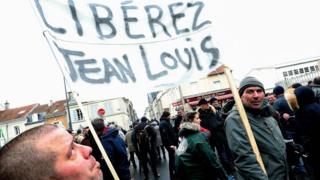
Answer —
162 167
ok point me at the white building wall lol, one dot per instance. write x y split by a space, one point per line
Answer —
271 75
30 126
3 135
115 111
121 120
293 69
210 83
11 128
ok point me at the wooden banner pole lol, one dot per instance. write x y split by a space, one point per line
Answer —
244 118
182 99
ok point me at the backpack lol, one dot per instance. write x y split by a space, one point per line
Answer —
142 136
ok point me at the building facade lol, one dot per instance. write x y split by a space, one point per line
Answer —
57 114
12 122
300 71
286 74
215 84
118 111
37 116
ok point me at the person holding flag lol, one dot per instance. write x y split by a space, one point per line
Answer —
265 130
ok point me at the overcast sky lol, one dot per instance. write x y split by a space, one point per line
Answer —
249 34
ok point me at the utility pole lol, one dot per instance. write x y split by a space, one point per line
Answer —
67 101
182 99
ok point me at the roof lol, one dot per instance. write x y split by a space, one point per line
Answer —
16 113
41 108
56 109
296 62
219 70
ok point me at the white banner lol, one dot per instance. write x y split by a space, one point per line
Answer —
121 46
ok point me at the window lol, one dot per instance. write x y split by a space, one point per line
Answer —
312 68
290 73
41 116
1 134
79 115
2 138
301 70
17 130
285 74
29 119
306 69
34 117
296 71
317 67
58 123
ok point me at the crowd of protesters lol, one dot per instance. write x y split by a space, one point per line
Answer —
208 143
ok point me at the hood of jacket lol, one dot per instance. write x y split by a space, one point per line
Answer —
226 108
187 128
110 132
304 95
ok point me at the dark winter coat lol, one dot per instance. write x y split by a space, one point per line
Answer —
316 90
150 140
308 119
282 106
199 161
269 141
167 133
287 127
116 149
214 123
177 121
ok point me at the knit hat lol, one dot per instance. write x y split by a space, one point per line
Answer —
249 82
296 85
202 101
213 99
144 119
165 114
278 90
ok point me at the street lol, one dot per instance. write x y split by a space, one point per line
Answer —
162 167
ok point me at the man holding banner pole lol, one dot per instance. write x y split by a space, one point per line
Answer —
261 131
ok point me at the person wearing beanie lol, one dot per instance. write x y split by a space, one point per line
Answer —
266 133
249 82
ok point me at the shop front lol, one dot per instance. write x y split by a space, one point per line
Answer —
222 96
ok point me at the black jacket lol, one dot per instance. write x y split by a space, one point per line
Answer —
167 133
214 123
308 119
116 149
